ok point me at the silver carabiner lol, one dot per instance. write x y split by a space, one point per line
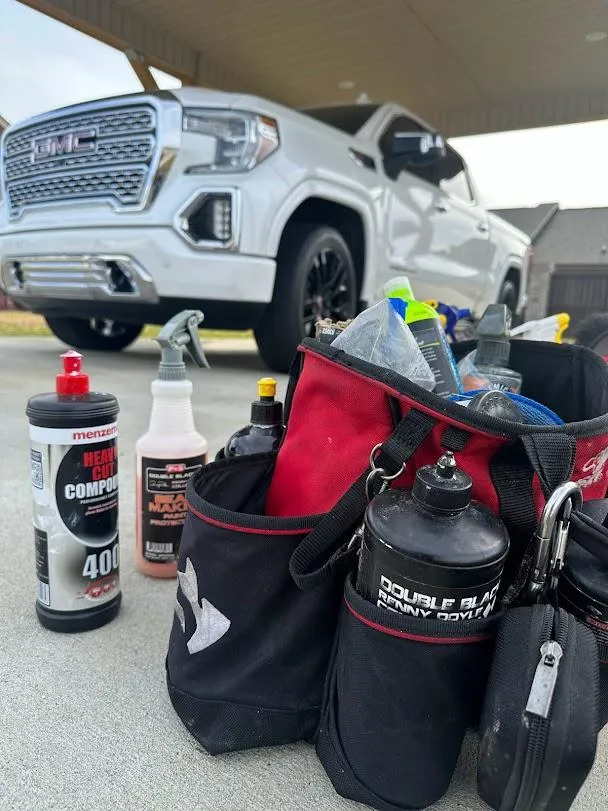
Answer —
551 537
380 473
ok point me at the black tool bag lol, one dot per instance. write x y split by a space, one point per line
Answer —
540 719
400 695
265 546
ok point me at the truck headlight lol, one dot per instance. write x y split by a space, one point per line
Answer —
242 139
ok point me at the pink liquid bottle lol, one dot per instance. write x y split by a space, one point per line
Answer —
170 452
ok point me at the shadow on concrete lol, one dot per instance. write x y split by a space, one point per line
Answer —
144 354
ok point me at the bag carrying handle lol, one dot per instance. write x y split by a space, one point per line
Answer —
552 456
323 551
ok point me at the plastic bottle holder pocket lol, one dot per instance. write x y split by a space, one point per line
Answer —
248 651
400 694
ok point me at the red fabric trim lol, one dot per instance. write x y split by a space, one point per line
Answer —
429 640
246 530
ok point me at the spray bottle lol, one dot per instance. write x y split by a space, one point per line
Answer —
75 491
425 325
549 329
171 451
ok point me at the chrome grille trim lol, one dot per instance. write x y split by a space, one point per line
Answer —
125 185
106 122
116 151
123 171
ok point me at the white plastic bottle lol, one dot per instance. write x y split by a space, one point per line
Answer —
170 452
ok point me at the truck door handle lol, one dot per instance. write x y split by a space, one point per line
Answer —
483 227
441 207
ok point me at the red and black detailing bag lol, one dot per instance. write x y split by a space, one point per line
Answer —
265 545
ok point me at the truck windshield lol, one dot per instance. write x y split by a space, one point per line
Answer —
348 118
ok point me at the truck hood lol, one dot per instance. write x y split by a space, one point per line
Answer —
197 97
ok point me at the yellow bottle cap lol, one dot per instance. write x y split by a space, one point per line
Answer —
267 387
563 321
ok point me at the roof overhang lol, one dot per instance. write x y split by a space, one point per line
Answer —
467 67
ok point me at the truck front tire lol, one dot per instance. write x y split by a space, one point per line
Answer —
94 334
316 278
509 295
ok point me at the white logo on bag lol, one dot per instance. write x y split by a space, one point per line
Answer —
211 624
594 467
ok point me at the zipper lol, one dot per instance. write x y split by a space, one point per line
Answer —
554 636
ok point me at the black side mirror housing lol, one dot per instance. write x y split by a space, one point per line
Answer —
418 148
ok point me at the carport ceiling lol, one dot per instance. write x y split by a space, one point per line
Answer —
467 66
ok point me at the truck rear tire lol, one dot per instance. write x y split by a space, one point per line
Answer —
316 278
96 334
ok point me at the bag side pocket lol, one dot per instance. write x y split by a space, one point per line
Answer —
400 695
248 651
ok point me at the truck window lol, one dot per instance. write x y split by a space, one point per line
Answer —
404 124
452 176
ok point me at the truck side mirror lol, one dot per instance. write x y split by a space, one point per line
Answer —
418 148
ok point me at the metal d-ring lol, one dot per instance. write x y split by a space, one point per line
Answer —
379 472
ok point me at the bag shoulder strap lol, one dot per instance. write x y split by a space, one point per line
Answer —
324 550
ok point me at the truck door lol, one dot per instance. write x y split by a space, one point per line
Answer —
432 234
461 251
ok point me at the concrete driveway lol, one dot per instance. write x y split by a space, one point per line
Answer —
85 719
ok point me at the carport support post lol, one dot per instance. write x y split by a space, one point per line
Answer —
141 69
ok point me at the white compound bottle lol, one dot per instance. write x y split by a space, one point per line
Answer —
170 452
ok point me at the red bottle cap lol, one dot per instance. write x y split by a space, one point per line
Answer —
72 382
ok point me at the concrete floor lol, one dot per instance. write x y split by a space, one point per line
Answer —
85 720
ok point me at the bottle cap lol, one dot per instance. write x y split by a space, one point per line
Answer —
72 382
494 333
267 388
496 404
443 487
399 287
267 410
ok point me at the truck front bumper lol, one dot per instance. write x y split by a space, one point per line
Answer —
88 270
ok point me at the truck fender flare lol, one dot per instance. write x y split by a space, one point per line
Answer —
335 193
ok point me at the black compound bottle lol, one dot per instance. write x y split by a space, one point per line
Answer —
264 432
432 552
74 463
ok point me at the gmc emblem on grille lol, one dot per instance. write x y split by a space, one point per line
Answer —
68 143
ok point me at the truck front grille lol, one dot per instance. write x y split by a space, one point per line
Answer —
102 154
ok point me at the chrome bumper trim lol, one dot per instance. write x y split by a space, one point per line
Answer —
79 277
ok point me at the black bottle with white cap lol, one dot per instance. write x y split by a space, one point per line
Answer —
432 552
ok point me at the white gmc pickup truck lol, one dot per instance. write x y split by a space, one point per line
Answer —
123 211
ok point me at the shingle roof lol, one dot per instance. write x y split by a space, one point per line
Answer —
532 221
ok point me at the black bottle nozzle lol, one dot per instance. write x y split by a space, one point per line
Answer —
446 466
494 336
443 487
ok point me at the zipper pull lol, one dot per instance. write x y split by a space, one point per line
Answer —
545 679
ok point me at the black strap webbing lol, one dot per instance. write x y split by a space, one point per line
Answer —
324 551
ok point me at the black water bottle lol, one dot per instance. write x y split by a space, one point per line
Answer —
432 552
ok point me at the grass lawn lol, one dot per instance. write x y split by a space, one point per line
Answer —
22 324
